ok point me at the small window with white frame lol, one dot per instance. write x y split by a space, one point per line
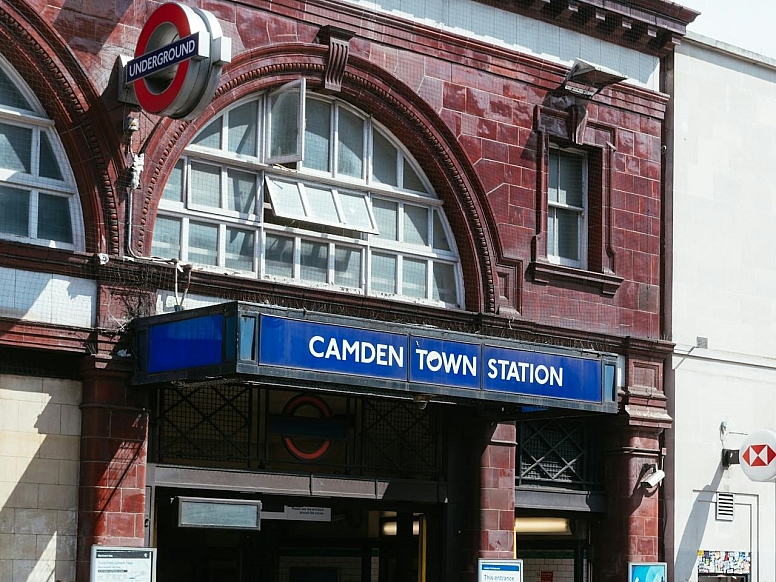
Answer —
37 189
335 202
567 194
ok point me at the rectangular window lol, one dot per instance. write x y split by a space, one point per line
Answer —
15 217
567 208
383 273
167 238
205 185
279 256
203 244
239 249
54 218
347 267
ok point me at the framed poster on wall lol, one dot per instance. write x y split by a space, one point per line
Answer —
647 572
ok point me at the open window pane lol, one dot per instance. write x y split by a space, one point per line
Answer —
15 217
443 283
206 185
15 148
317 135
347 267
383 273
279 256
386 216
173 189
242 129
413 278
356 211
314 261
167 238
384 157
203 243
54 218
239 249
320 205
48 166
285 139
242 191
286 199
415 225
210 136
350 153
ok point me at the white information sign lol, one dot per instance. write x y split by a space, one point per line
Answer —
499 570
123 564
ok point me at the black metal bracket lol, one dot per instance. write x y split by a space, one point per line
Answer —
729 457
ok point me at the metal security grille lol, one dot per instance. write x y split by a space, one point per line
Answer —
562 453
399 438
205 423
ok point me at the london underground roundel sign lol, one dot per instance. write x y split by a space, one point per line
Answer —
178 60
757 455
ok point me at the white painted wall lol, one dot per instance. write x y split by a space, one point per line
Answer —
500 27
724 290
40 424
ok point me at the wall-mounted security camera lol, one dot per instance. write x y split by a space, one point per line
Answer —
653 479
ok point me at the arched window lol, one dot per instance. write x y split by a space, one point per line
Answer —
306 190
37 190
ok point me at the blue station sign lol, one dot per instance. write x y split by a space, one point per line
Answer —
232 340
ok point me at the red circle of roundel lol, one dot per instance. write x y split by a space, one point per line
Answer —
323 409
167 14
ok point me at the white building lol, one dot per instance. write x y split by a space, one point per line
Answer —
720 297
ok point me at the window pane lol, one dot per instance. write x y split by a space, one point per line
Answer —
242 129
10 95
383 160
347 267
552 232
553 166
48 166
15 148
317 135
210 137
286 199
242 191
239 249
383 277
173 189
167 238
411 179
279 256
386 217
54 218
568 234
14 219
414 278
314 261
206 185
415 225
356 211
444 287
350 155
570 183
203 243
440 238
284 124
321 205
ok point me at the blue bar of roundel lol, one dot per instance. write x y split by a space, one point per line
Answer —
445 363
581 378
188 343
294 344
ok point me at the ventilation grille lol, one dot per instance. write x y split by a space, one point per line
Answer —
726 505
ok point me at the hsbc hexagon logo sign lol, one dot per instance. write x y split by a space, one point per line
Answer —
178 60
757 455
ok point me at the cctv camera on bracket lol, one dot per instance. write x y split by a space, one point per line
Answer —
653 479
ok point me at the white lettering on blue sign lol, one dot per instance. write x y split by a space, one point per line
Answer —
169 55
358 351
524 372
451 363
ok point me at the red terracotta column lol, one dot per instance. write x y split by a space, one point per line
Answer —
114 437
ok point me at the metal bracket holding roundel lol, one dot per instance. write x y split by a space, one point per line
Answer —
178 61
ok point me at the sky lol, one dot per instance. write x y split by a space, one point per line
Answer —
747 24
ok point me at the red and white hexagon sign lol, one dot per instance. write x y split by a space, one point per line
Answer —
178 61
757 455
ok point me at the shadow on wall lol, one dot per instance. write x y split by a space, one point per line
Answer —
90 32
687 551
39 449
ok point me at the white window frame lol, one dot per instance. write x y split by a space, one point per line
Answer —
286 157
582 214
